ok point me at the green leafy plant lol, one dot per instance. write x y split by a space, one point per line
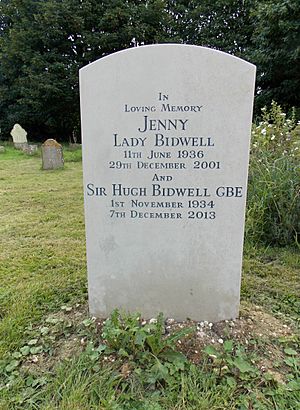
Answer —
145 345
274 180
231 363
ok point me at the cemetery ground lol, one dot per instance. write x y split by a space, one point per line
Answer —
53 356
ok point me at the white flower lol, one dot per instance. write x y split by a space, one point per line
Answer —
263 131
273 137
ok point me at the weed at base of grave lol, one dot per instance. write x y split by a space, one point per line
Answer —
127 363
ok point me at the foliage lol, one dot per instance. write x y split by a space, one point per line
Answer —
144 346
234 366
274 180
223 25
275 50
43 44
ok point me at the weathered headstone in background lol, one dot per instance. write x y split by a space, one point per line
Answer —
2 149
52 155
19 136
165 150
30 149
74 146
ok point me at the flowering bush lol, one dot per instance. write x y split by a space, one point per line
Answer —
273 212
276 134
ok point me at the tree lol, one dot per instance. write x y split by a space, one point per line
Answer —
34 68
47 42
276 52
44 43
222 24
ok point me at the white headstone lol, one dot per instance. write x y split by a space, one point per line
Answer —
166 133
18 134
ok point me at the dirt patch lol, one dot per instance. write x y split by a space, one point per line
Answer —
253 324
66 343
42 363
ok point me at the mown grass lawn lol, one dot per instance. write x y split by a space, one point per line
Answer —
42 241
52 356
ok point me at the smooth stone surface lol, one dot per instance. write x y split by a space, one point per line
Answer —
52 155
18 134
165 132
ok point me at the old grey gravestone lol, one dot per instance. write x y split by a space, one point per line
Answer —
52 155
165 148
30 149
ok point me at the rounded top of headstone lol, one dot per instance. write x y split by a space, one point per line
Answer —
184 51
51 143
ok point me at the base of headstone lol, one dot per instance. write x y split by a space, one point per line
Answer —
21 145
52 155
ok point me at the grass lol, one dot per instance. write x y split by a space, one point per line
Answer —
42 249
47 359
271 279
